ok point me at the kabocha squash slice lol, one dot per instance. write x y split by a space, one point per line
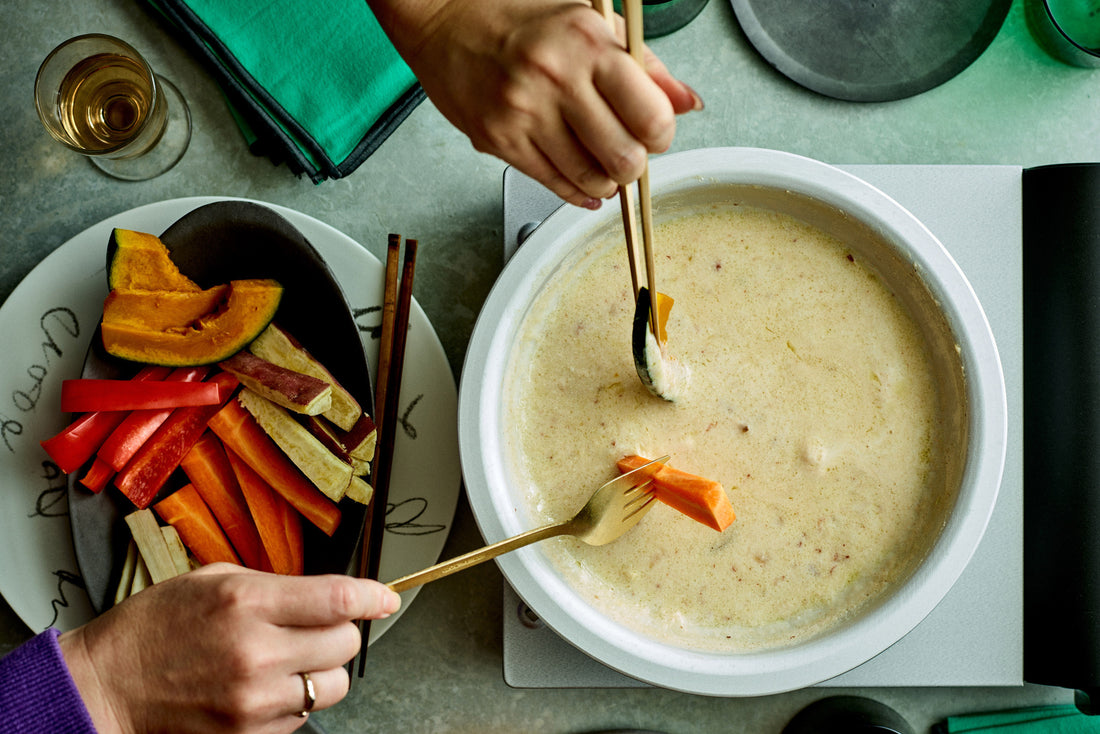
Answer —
141 261
249 308
160 310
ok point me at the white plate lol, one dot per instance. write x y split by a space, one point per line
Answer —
45 327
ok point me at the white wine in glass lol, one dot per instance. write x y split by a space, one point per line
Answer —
98 96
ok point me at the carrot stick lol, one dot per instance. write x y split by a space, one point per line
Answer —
279 524
240 432
208 468
701 499
188 514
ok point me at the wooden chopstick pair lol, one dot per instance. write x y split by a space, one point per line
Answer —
396 308
635 34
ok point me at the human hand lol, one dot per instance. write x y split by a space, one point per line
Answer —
545 86
221 649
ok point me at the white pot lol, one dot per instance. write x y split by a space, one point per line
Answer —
914 264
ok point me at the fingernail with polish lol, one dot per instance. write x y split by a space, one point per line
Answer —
592 204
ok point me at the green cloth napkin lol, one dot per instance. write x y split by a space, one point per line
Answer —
1033 720
314 83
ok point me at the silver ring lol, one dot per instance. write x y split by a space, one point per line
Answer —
311 695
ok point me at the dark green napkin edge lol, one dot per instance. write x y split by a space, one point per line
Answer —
1011 719
268 120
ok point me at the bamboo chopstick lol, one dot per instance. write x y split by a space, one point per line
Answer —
630 232
385 349
635 41
389 311
632 14
396 309
603 7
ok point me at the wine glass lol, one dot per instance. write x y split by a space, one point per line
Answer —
98 96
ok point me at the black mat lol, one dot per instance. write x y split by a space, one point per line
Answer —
870 50
1061 309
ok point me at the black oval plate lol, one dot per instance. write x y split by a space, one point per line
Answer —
214 244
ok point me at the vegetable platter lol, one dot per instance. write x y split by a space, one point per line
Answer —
46 591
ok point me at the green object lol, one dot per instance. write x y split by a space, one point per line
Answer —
317 82
662 17
1069 30
1033 720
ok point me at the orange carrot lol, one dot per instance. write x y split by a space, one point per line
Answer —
188 514
700 499
279 524
240 432
209 470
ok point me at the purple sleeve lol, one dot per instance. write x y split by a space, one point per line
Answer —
37 693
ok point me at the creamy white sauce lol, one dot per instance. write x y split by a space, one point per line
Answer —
809 396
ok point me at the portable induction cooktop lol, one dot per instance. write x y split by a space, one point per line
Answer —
974 637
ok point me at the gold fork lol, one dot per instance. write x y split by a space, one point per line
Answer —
612 510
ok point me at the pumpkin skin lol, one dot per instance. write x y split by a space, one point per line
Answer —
140 261
248 309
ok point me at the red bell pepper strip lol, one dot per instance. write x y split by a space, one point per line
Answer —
139 425
78 396
241 434
154 462
76 443
279 524
185 511
97 476
208 468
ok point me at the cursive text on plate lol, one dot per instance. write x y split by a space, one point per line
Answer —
54 325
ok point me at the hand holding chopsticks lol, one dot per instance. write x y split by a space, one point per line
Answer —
396 308
539 86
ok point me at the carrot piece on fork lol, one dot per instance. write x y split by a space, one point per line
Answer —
701 499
